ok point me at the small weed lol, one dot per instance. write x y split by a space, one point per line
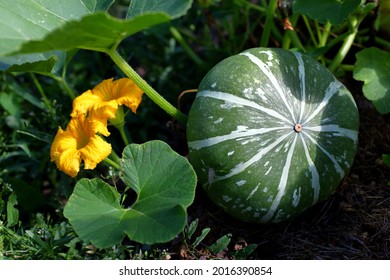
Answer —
219 249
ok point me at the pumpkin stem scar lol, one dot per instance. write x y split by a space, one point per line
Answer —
298 127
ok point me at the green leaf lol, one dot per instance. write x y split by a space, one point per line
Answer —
202 236
154 169
190 229
95 213
32 32
12 212
373 68
165 184
336 11
10 103
97 5
36 134
174 8
386 159
25 94
243 253
98 31
23 21
44 67
220 244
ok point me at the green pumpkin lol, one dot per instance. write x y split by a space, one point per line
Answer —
271 133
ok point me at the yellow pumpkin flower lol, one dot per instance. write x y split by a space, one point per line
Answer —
101 103
78 142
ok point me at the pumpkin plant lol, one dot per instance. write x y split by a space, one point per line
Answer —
271 132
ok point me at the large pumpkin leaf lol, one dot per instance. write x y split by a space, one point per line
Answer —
373 68
174 8
22 21
98 31
159 212
63 28
95 212
165 183
335 11
153 168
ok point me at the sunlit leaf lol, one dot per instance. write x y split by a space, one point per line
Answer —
22 21
373 68
174 8
12 212
31 32
98 31
165 186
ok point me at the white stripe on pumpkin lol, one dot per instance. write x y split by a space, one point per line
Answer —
338 131
315 178
331 90
236 134
244 165
264 68
302 80
282 183
230 98
329 155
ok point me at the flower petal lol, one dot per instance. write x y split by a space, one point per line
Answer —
104 90
78 142
104 109
95 151
99 125
83 103
63 152
127 93
63 140
69 162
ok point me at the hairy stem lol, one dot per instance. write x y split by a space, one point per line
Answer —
112 163
123 135
149 91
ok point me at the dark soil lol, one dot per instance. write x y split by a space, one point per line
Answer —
354 223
